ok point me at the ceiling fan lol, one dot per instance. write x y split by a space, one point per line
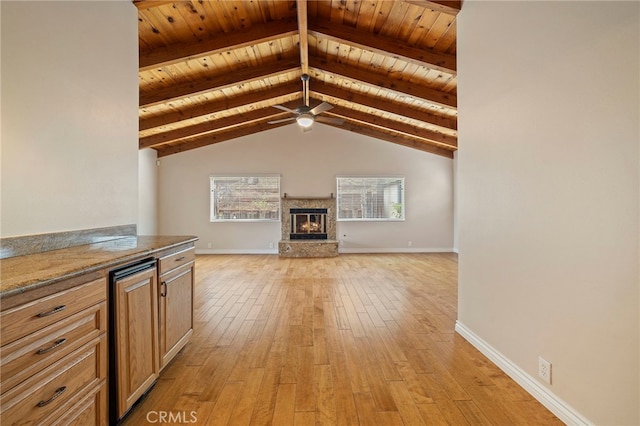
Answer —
305 116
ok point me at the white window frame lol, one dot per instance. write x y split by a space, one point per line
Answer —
213 208
397 208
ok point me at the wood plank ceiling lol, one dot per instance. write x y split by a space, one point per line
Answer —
212 71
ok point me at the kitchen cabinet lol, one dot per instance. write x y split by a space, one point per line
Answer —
175 301
135 337
69 336
53 358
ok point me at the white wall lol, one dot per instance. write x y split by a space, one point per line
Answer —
309 163
147 192
456 202
69 116
549 185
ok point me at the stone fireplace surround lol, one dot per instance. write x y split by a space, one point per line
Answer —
308 248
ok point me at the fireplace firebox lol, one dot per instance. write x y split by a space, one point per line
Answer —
308 224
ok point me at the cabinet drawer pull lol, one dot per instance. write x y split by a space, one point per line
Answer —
52 347
56 394
53 311
163 293
181 258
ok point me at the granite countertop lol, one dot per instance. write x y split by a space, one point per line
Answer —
23 273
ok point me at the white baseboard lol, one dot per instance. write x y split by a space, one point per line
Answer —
557 406
394 250
340 250
237 251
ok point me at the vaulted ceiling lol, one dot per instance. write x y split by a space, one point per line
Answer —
212 71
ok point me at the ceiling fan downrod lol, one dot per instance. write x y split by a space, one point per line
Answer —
305 88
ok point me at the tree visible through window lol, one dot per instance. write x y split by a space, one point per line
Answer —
245 198
370 198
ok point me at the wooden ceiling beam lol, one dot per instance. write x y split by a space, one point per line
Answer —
218 106
217 82
450 7
225 135
386 46
397 138
380 80
435 138
301 8
220 43
249 128
443 121
212 126
145 4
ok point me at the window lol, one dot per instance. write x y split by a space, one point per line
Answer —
370 198
245 198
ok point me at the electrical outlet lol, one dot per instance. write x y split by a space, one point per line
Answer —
270 245
208 245
410 243
544 370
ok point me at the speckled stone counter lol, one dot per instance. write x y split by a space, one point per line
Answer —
29 272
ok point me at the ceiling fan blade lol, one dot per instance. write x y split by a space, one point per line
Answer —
321 108
330 120
281 120
284 108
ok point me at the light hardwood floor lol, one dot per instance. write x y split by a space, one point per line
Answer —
350 340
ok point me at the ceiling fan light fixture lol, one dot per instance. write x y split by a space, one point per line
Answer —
305 120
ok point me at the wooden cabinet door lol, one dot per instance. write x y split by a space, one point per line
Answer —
176 311
137 360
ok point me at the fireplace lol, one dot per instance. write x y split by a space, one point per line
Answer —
308 224
308 227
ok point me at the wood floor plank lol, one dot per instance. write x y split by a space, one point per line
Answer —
283 412
414 386
241 413
391 418
378 352
325 401
432 415
358 339
472 413
377 382
320 353
346 413
409 412
225 403
304 418
352 306
451 412
357 374
266 398
305 398
367 413
202 381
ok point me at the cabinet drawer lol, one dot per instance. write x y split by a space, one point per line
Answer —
25 319
63 381
25 357
175 260
91 410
